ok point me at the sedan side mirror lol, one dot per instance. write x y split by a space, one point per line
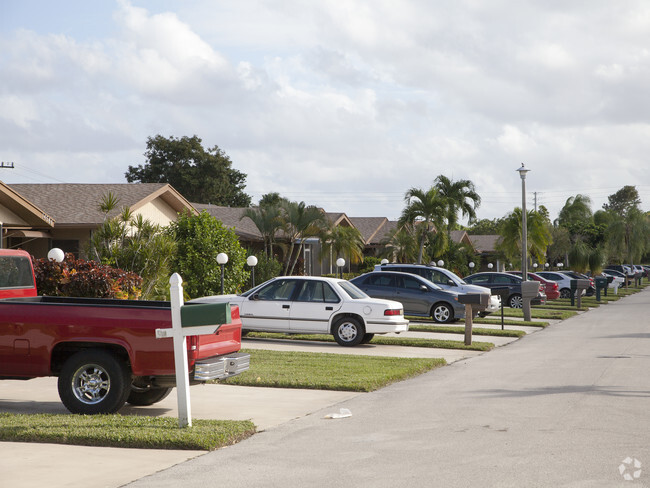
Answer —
424 288
451 283
255 297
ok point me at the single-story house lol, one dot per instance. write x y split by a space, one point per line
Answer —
38 217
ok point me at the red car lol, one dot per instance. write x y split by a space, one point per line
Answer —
550 287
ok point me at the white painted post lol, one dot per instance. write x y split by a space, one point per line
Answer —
180 353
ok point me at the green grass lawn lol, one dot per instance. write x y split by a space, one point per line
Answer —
461 330
378 339
317 371
128 431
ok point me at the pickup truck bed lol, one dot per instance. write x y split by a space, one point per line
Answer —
101 348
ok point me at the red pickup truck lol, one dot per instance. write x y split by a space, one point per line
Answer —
104 351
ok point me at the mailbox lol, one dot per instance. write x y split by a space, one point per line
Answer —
576 290
601 283
473 302
502 291
529 290
476 300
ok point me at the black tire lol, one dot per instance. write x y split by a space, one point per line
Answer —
348 331
565 293
148 397
442 313
94 381
367 338
515 301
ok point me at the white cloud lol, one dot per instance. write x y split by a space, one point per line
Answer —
347 103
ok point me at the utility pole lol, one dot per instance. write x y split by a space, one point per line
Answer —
535 193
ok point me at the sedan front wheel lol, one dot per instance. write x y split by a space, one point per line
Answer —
442 313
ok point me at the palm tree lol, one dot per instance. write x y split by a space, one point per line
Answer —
300 222
538 236
268 220
576 210
627 236
400 245
342 241
426 208
458 196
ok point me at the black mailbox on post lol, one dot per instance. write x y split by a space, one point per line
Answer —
601 283
473 302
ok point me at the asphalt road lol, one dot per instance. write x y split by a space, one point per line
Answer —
567 406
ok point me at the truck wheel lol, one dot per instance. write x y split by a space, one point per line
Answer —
147 397
93 382
348 331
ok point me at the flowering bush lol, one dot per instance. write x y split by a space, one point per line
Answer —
80 278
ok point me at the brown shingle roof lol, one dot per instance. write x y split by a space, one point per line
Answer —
370 228
78 204
484 243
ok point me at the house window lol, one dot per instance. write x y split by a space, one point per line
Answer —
67 245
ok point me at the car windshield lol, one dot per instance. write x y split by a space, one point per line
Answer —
249 292
456 277
351 290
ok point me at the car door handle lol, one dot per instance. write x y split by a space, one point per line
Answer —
285 306
329 308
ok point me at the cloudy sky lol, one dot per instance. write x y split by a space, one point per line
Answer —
341 104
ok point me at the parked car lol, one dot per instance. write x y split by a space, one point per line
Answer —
622 268
315 305
551 288
579 276
497 280
418 295
563 281
618 279
445 279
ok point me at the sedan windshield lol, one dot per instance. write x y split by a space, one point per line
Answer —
351 290
456 277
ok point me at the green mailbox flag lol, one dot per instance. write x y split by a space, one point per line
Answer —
205 314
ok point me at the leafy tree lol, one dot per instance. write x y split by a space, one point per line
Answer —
623 201
134 244
484 227
427 207
199 238
200 175
458 197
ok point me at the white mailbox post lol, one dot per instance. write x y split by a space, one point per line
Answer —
184 325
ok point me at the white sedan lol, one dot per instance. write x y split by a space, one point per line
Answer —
315 305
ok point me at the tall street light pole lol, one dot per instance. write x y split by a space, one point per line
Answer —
524 226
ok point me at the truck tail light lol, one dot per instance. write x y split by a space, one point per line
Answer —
394 311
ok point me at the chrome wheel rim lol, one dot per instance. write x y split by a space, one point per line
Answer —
90 384
516 302
441 314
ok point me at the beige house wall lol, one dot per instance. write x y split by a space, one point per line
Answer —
158 212
8 217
